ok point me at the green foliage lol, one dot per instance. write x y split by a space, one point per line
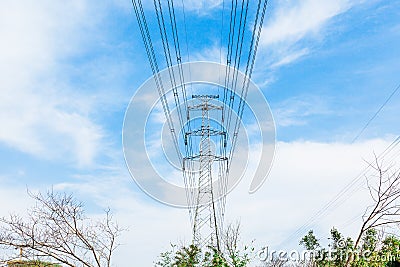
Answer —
341 248
193 256
310 242
188 257
371 253
370 240
391 244
214 259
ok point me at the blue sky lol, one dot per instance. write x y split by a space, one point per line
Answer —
68 71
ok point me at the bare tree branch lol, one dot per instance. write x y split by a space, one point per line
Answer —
56 228
385 192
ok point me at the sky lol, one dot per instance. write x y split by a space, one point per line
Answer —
68 70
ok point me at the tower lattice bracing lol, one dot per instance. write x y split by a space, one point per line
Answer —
202 172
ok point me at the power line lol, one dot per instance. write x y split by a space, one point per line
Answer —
376 114
231 34
189 179
144 31
248 73
167 54
238 54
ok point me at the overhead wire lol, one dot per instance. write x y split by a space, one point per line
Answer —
376 114
233 83
259 19
221 171
168 58
238 54
231 35
144 31
186 127
167 53
248 72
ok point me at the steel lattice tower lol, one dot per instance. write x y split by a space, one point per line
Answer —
206 190
205 211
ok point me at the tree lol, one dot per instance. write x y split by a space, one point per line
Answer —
391 250
384 188
56 228
310 242
336 255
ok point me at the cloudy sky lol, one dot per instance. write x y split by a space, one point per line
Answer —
69 68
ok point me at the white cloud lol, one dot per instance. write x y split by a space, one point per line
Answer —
296 110
293 22
201 7
290 58
39 113
214 53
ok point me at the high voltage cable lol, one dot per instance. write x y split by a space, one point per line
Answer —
248 73
376 114
249 68
188 148
167 53
222 147
169 62
189 151
144 30
153 63
238 54
171 9
231 34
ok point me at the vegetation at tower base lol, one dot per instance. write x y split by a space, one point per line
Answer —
56 229
194 256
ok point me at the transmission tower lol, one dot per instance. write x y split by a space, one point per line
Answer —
205 170
206 210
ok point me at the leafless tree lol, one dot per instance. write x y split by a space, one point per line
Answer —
56 228
384 188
